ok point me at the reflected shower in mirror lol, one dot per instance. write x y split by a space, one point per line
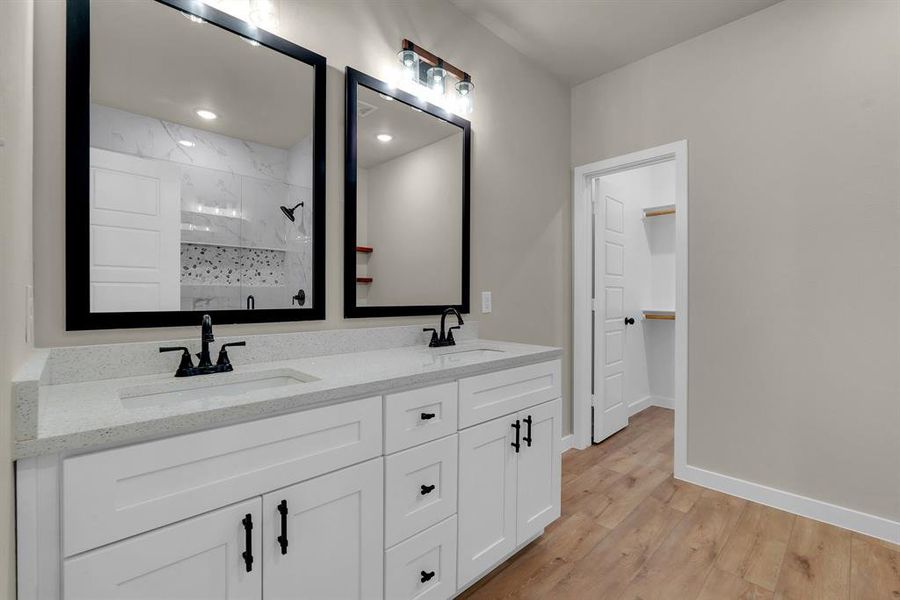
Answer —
202 162
410 254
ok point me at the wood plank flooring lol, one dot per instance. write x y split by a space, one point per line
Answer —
630 531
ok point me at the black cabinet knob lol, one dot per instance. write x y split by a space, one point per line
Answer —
427 489
427 576
629 320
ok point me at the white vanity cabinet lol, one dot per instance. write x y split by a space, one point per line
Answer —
198 558
411 495
323 538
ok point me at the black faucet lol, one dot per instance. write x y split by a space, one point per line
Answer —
445 339
187 369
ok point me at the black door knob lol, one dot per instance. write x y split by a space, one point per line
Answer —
629 321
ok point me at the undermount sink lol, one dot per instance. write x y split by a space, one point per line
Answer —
209 386
467 354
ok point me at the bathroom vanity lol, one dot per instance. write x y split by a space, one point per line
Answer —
395 471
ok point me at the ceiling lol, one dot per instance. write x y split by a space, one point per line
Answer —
578 40
147 58
410 128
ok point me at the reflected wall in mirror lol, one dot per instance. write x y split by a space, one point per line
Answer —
196 168
407 218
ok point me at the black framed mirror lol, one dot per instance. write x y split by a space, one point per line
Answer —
406 218
195 168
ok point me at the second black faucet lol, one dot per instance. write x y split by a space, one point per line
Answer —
446 336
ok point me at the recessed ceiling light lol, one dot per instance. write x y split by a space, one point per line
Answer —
384 137
187 143
253 43
206 114
386 97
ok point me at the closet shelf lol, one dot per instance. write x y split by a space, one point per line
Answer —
659 315
364 249
658 211
363 280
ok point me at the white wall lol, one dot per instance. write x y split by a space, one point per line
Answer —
414 214
16 42
793 128
524 261
649 281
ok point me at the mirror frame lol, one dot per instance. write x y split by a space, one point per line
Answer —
351 310
78 72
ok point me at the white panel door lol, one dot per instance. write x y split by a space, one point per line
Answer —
135 235
539 469
487 497
330 543
198 559
608 400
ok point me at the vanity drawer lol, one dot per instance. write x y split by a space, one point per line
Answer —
419 416
113 494
420 488
431 555
492 395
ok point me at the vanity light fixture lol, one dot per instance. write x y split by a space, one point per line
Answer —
384 137
187 143
465 93
426 69
437 77
206 115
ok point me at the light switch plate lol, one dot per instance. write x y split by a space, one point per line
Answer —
485 302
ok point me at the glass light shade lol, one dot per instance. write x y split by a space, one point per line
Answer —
465 95
437 77
409 65
264 14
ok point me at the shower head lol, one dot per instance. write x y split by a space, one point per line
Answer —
289 212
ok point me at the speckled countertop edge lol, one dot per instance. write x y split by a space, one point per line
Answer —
338 381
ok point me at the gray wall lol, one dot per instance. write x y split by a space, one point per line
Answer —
792 117
414 212
16 20
520 167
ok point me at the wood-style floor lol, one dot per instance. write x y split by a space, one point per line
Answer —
629 530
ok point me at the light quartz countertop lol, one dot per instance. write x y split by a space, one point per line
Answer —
95 414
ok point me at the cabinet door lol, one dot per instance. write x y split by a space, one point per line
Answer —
487 497
197 559
538 477
334 527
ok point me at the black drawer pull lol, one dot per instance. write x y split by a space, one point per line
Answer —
427 416
282 539
527 436
427 489
427 576
247 554
518 427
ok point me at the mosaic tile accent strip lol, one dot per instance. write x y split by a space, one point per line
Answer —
225 266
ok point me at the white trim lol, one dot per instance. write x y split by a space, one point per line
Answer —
581 278
37 528
818 510
566 443
648 401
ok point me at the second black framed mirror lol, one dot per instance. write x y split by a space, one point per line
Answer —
407 203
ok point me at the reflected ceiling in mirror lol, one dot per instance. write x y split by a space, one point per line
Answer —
206 162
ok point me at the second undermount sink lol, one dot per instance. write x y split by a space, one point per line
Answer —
467 354
210 386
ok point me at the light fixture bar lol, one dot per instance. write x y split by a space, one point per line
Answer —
434 60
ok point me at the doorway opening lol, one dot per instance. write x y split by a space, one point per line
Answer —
630 292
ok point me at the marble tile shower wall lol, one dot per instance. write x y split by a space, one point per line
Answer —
231 191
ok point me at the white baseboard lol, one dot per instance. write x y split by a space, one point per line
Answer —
648 401
566 443
847 518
